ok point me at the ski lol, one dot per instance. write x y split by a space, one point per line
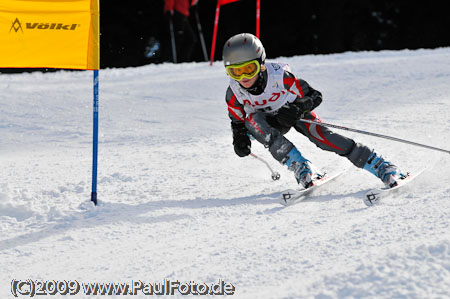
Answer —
374 196
291 196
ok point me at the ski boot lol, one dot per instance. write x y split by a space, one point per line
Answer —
302 168
384 170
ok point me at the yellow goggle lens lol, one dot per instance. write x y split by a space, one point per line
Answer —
247 70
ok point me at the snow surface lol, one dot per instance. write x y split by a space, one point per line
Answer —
176 203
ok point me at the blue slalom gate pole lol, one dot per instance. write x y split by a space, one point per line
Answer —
95 141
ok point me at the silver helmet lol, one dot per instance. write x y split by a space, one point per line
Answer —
241 48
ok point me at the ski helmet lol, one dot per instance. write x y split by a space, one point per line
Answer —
243 47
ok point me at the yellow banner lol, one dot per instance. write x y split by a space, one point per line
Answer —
49 33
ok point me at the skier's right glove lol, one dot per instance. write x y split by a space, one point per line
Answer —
241 141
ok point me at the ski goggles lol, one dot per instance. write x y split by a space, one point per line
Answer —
247 70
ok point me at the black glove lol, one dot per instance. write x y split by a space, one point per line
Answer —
291 112
288 115
242 146
241 141
310 101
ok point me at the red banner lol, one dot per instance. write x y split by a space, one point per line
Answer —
223 2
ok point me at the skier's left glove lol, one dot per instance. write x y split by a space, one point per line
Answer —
288 115
309 102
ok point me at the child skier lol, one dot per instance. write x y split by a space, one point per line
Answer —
265 100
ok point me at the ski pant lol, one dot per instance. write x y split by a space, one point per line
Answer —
265 129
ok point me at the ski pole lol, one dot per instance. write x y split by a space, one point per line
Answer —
375 134
200 33
275 175
172 38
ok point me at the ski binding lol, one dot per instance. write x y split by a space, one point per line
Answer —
374 196
292 196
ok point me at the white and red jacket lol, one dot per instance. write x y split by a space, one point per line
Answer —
281 87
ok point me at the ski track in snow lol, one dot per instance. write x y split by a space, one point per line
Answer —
177 203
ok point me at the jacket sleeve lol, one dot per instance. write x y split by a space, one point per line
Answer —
308 96
236 113
235 109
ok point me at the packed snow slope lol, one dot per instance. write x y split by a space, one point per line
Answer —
176 203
